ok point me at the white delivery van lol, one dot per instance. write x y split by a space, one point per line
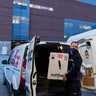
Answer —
87 48
46 62
42 63
14 70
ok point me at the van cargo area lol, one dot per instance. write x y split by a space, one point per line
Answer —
45 86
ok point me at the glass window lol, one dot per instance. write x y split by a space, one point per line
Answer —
20 28
12 57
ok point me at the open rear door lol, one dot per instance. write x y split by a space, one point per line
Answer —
87 52
31 74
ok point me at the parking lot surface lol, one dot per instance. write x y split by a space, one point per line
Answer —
3 89
4 92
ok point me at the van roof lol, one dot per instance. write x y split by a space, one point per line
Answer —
46 42
86 35
22 45
42 42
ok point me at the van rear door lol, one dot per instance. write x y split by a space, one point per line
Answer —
87 51
31 70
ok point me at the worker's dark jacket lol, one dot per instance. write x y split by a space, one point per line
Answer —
74 66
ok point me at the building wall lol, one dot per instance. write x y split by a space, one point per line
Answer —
6 19
50 25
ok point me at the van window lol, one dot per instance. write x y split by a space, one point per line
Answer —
12 57
25 52
88 44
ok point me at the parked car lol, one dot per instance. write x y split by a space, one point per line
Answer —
14 70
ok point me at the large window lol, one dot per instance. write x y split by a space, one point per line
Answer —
73 27
21 20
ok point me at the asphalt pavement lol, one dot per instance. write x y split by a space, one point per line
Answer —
4 92
84 93
3 89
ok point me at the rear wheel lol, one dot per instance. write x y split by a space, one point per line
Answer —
12 92
4 79
15 92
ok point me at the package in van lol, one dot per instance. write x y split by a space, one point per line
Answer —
58 64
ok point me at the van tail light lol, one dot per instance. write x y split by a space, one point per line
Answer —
23 72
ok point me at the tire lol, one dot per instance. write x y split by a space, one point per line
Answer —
4 79
13 92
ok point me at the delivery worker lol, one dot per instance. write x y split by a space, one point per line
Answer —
72 77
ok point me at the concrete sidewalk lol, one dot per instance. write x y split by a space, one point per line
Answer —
86 92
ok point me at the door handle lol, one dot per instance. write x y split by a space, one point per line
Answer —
34 74
34 82
7 68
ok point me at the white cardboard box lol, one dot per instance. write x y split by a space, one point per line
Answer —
58 64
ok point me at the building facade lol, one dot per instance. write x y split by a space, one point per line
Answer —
6 11
50 19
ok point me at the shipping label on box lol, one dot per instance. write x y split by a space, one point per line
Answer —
58 65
